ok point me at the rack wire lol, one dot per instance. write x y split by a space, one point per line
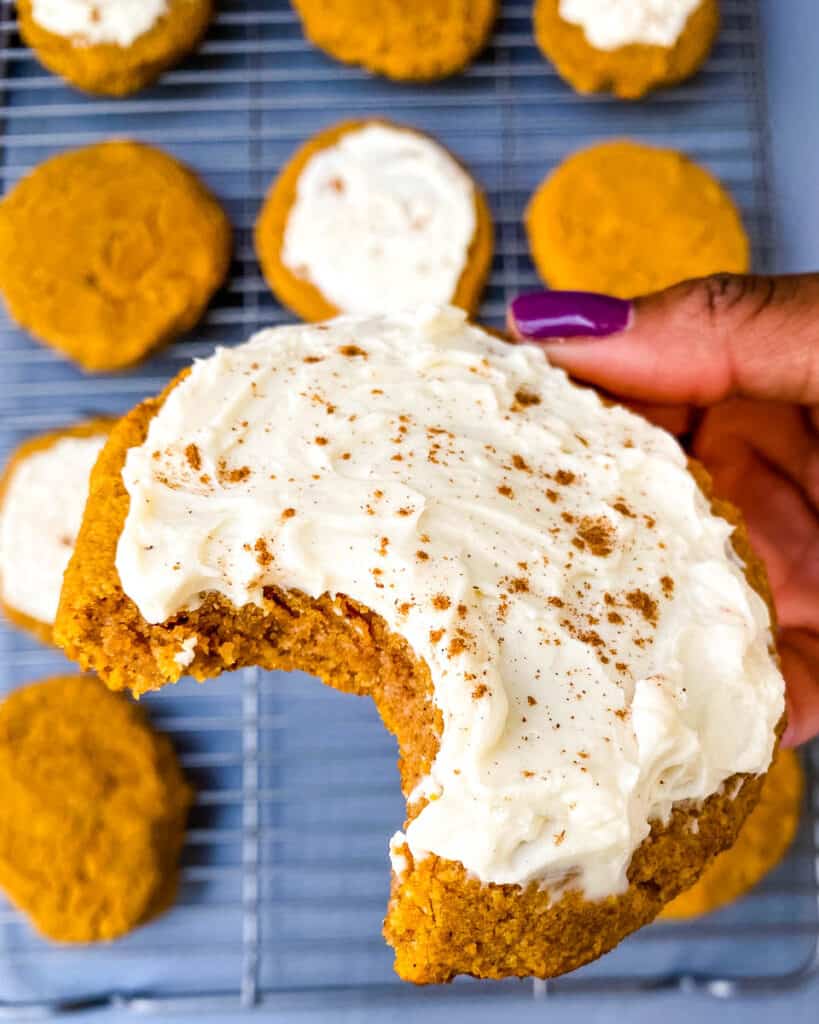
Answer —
285 873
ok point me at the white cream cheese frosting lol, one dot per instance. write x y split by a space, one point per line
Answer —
609 24
383 221
39 520
596 652
92 22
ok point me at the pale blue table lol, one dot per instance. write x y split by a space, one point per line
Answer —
792 41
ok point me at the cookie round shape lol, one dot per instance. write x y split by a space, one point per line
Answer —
94 808
370 216
625 219
42 496
526 579
630 70
762 843
400 39
112 47
108 251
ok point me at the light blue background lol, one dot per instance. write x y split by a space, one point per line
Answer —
792 46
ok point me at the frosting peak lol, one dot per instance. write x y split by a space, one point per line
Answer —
595 650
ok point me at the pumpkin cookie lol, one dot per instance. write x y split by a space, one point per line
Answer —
94 807
42 497
110 250
762 843
370 217
627 219
625 47
401 39
526 579
112 47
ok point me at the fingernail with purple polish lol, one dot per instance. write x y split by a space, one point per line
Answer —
541 315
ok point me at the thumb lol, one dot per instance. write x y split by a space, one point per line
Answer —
698 342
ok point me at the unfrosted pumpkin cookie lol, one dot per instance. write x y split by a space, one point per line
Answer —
370 216
625 219
566 632
762 843
627 47
94 807
42 496
110 250
112 47
401 39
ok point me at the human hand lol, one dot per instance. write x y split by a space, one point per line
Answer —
732 363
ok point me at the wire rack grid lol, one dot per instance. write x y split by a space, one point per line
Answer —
285 874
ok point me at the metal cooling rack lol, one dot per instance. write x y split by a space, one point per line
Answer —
285 874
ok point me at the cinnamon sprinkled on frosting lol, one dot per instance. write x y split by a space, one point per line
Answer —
596 653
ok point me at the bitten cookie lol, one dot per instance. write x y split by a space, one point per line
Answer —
94 808
762 843
625 47
112 47
42 496
110 250
526 579
401 39
625 219
370 216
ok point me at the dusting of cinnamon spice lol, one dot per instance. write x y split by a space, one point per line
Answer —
597 534
263 555
564 477
524 398
231 476
352 351
441 602
642 603
457 645
193 457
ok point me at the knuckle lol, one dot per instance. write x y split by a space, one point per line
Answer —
736 295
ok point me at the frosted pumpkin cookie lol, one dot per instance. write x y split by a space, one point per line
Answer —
626 219
371 217
42 496
627 47
567 635
399 38
762 843
94 808
112 47
110 250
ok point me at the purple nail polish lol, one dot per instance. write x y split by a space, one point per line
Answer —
542 315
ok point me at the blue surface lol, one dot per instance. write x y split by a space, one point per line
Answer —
794 75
